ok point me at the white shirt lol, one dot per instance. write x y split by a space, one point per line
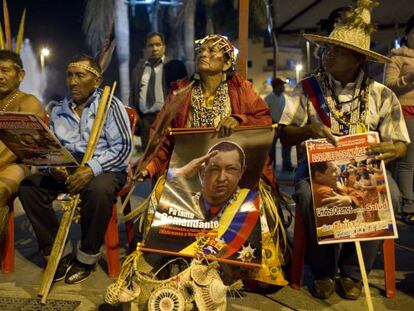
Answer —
276 105
159 92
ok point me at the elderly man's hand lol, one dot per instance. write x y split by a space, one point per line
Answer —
337 200
192 167
226 126
386 151
78 180
58 173
322 131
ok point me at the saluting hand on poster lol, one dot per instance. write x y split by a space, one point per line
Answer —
226 126
192 167
78 180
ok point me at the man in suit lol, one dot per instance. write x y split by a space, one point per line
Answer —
151 80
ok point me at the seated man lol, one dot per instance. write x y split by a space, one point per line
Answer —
342 100
97 183
12 99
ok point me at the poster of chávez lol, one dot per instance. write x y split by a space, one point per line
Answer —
210 202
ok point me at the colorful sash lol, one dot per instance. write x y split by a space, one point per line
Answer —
313 90
235 226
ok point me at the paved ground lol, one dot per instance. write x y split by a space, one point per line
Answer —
24 282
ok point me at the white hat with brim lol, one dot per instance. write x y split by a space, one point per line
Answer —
353 32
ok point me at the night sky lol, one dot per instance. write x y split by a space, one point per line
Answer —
56 25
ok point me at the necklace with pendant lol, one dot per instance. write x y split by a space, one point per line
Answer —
9 101
352 121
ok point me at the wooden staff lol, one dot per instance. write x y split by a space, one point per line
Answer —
189 130
62 234
368 298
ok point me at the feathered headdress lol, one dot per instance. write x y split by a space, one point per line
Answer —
353 31
5 37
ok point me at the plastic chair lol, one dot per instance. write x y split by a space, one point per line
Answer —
7 246
112 234
299 245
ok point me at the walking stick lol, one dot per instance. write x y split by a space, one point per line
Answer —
70 207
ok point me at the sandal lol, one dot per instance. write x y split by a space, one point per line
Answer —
408 218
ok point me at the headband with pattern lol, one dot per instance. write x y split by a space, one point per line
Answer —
86 67
222 42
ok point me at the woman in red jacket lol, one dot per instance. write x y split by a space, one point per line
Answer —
217 97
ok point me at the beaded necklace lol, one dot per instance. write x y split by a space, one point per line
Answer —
205 112
354 120
9 101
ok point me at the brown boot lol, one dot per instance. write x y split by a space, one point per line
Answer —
348 288
323 288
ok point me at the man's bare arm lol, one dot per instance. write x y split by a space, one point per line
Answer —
293 135
31 104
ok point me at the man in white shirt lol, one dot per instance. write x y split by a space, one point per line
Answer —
151 80
276 102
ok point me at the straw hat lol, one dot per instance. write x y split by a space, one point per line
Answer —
203 275
212 297
166 298
353 31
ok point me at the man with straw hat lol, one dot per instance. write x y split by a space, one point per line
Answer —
340 100
97 182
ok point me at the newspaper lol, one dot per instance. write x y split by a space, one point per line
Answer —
351 198
27 136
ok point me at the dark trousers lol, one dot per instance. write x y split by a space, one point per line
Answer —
324 260
286 158
37 193
146 121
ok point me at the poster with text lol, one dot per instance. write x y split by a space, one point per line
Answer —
351 199
32 142
210 204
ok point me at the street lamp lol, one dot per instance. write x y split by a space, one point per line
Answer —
44 52
299 68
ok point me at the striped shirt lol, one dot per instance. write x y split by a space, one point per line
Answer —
114 147
384 110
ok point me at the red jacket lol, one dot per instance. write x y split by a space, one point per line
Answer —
246 105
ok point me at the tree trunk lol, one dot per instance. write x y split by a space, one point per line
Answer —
122 49
189 19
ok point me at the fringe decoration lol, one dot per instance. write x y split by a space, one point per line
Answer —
140 212
271 211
